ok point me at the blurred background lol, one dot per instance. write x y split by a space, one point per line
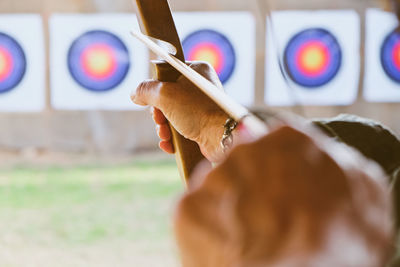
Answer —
84 184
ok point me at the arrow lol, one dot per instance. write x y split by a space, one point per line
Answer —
254 126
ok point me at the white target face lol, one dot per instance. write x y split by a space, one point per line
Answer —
382 57
22 63
226 40
319 54
95 62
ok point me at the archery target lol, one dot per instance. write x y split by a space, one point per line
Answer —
319 52
12 63
312 58
103 60
213 47
382 69
390 56
226 40
22 85
97 64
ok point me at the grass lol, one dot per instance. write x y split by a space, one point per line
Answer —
88 215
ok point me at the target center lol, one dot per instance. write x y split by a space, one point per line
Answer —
210 57
99 61
208 53
5 64
396 55
313 58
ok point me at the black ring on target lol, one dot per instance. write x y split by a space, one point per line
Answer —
313 57
98 60
12 63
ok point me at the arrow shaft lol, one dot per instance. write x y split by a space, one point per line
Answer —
232 108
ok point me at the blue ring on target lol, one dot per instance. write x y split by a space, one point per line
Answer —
98 61
390 56
214 48
12 63
312 58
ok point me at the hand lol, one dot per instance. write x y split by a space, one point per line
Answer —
190 111
288 191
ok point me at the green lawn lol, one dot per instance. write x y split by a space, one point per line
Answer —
89 215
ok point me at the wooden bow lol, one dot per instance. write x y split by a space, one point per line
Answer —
158 12
155 20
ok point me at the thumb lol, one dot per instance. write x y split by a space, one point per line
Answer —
147 93
207 71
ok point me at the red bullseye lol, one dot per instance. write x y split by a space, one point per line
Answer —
209 53
6 64
396 55
99 61
313 59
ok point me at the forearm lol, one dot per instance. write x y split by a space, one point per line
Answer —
210 140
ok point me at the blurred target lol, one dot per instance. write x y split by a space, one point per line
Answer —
98 60
12 63
320 55
212 47
313 58
390 56
382 57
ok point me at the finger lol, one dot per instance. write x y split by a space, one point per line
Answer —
167 146
146 93
164 132
158 116
206 70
